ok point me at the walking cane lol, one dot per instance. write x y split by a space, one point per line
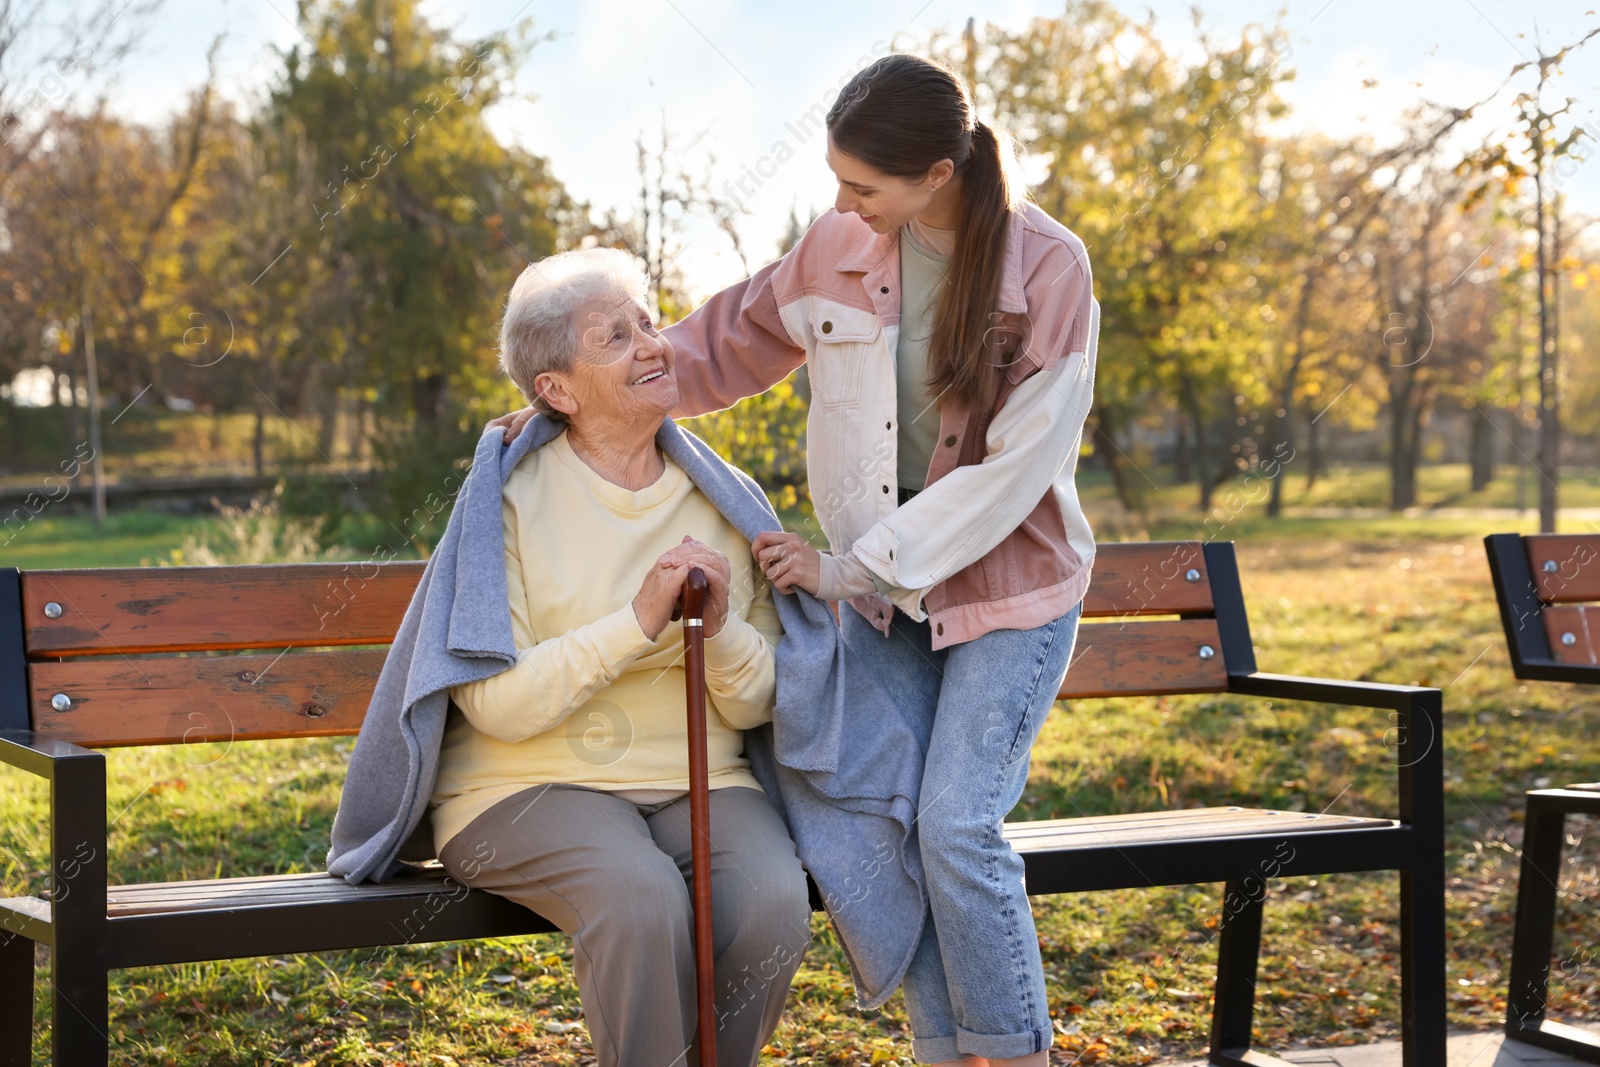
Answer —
691 605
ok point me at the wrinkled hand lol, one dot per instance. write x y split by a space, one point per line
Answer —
719 576
514 422
788 561
657 598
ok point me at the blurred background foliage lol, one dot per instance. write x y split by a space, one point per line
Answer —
309 286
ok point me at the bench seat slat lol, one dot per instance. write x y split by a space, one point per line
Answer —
189 699
1184 817
34 908
1179 825
1052 835
1263 823
318 888
28 917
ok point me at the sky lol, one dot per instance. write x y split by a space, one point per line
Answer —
733 78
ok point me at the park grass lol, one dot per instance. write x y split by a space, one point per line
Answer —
1129 973
1439 485
127 539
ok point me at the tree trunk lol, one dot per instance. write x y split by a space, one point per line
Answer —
1280 437
1549 426
1106 448
74 412
1402 457
325 401
1197 420
427 398
355 431
1419 421
1482 448
1313 454
1180 460
92 373
1282 425
258 443
1406 455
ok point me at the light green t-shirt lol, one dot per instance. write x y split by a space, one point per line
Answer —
922 274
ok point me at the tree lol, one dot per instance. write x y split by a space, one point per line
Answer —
114 193
1149 159
46 66
1330 195
422 216
1533 150
763 434
1409 263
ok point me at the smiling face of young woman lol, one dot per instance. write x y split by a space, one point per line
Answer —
883 201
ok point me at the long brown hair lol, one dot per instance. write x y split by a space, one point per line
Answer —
902 115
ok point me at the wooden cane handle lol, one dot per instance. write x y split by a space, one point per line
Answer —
692 597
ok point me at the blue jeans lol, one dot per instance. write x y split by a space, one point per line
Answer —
976 985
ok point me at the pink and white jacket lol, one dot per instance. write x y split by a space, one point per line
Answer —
997 538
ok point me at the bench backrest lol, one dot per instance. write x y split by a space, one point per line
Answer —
1548 588
175 655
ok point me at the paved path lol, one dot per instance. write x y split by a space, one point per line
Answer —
1483 1048
1563 515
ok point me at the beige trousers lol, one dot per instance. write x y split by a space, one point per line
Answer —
616 877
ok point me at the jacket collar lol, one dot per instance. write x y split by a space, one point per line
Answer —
870 248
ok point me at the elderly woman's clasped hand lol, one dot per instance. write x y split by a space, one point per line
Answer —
662 586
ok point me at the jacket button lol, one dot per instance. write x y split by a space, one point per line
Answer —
827 327
888 426
891 555
939 629
886 489
885 289
1009 356
950 442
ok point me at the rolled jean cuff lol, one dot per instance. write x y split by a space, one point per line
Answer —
1002 1046
934 1049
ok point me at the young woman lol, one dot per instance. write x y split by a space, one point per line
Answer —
950 330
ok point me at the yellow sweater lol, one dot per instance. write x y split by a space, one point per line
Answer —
591 700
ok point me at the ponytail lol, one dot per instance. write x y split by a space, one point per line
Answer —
957 354
902 115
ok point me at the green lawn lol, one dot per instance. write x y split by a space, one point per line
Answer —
1444 485
1396 600
131 539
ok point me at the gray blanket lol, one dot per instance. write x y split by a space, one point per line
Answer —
839 759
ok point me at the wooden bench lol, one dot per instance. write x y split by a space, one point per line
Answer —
1548 588
1174 623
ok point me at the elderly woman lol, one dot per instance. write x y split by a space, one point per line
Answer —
562 781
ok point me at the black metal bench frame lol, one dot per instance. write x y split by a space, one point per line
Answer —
92 928
1545 817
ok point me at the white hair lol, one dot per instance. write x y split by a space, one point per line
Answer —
537 333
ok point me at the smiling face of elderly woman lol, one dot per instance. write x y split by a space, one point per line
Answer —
622 370
579 341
